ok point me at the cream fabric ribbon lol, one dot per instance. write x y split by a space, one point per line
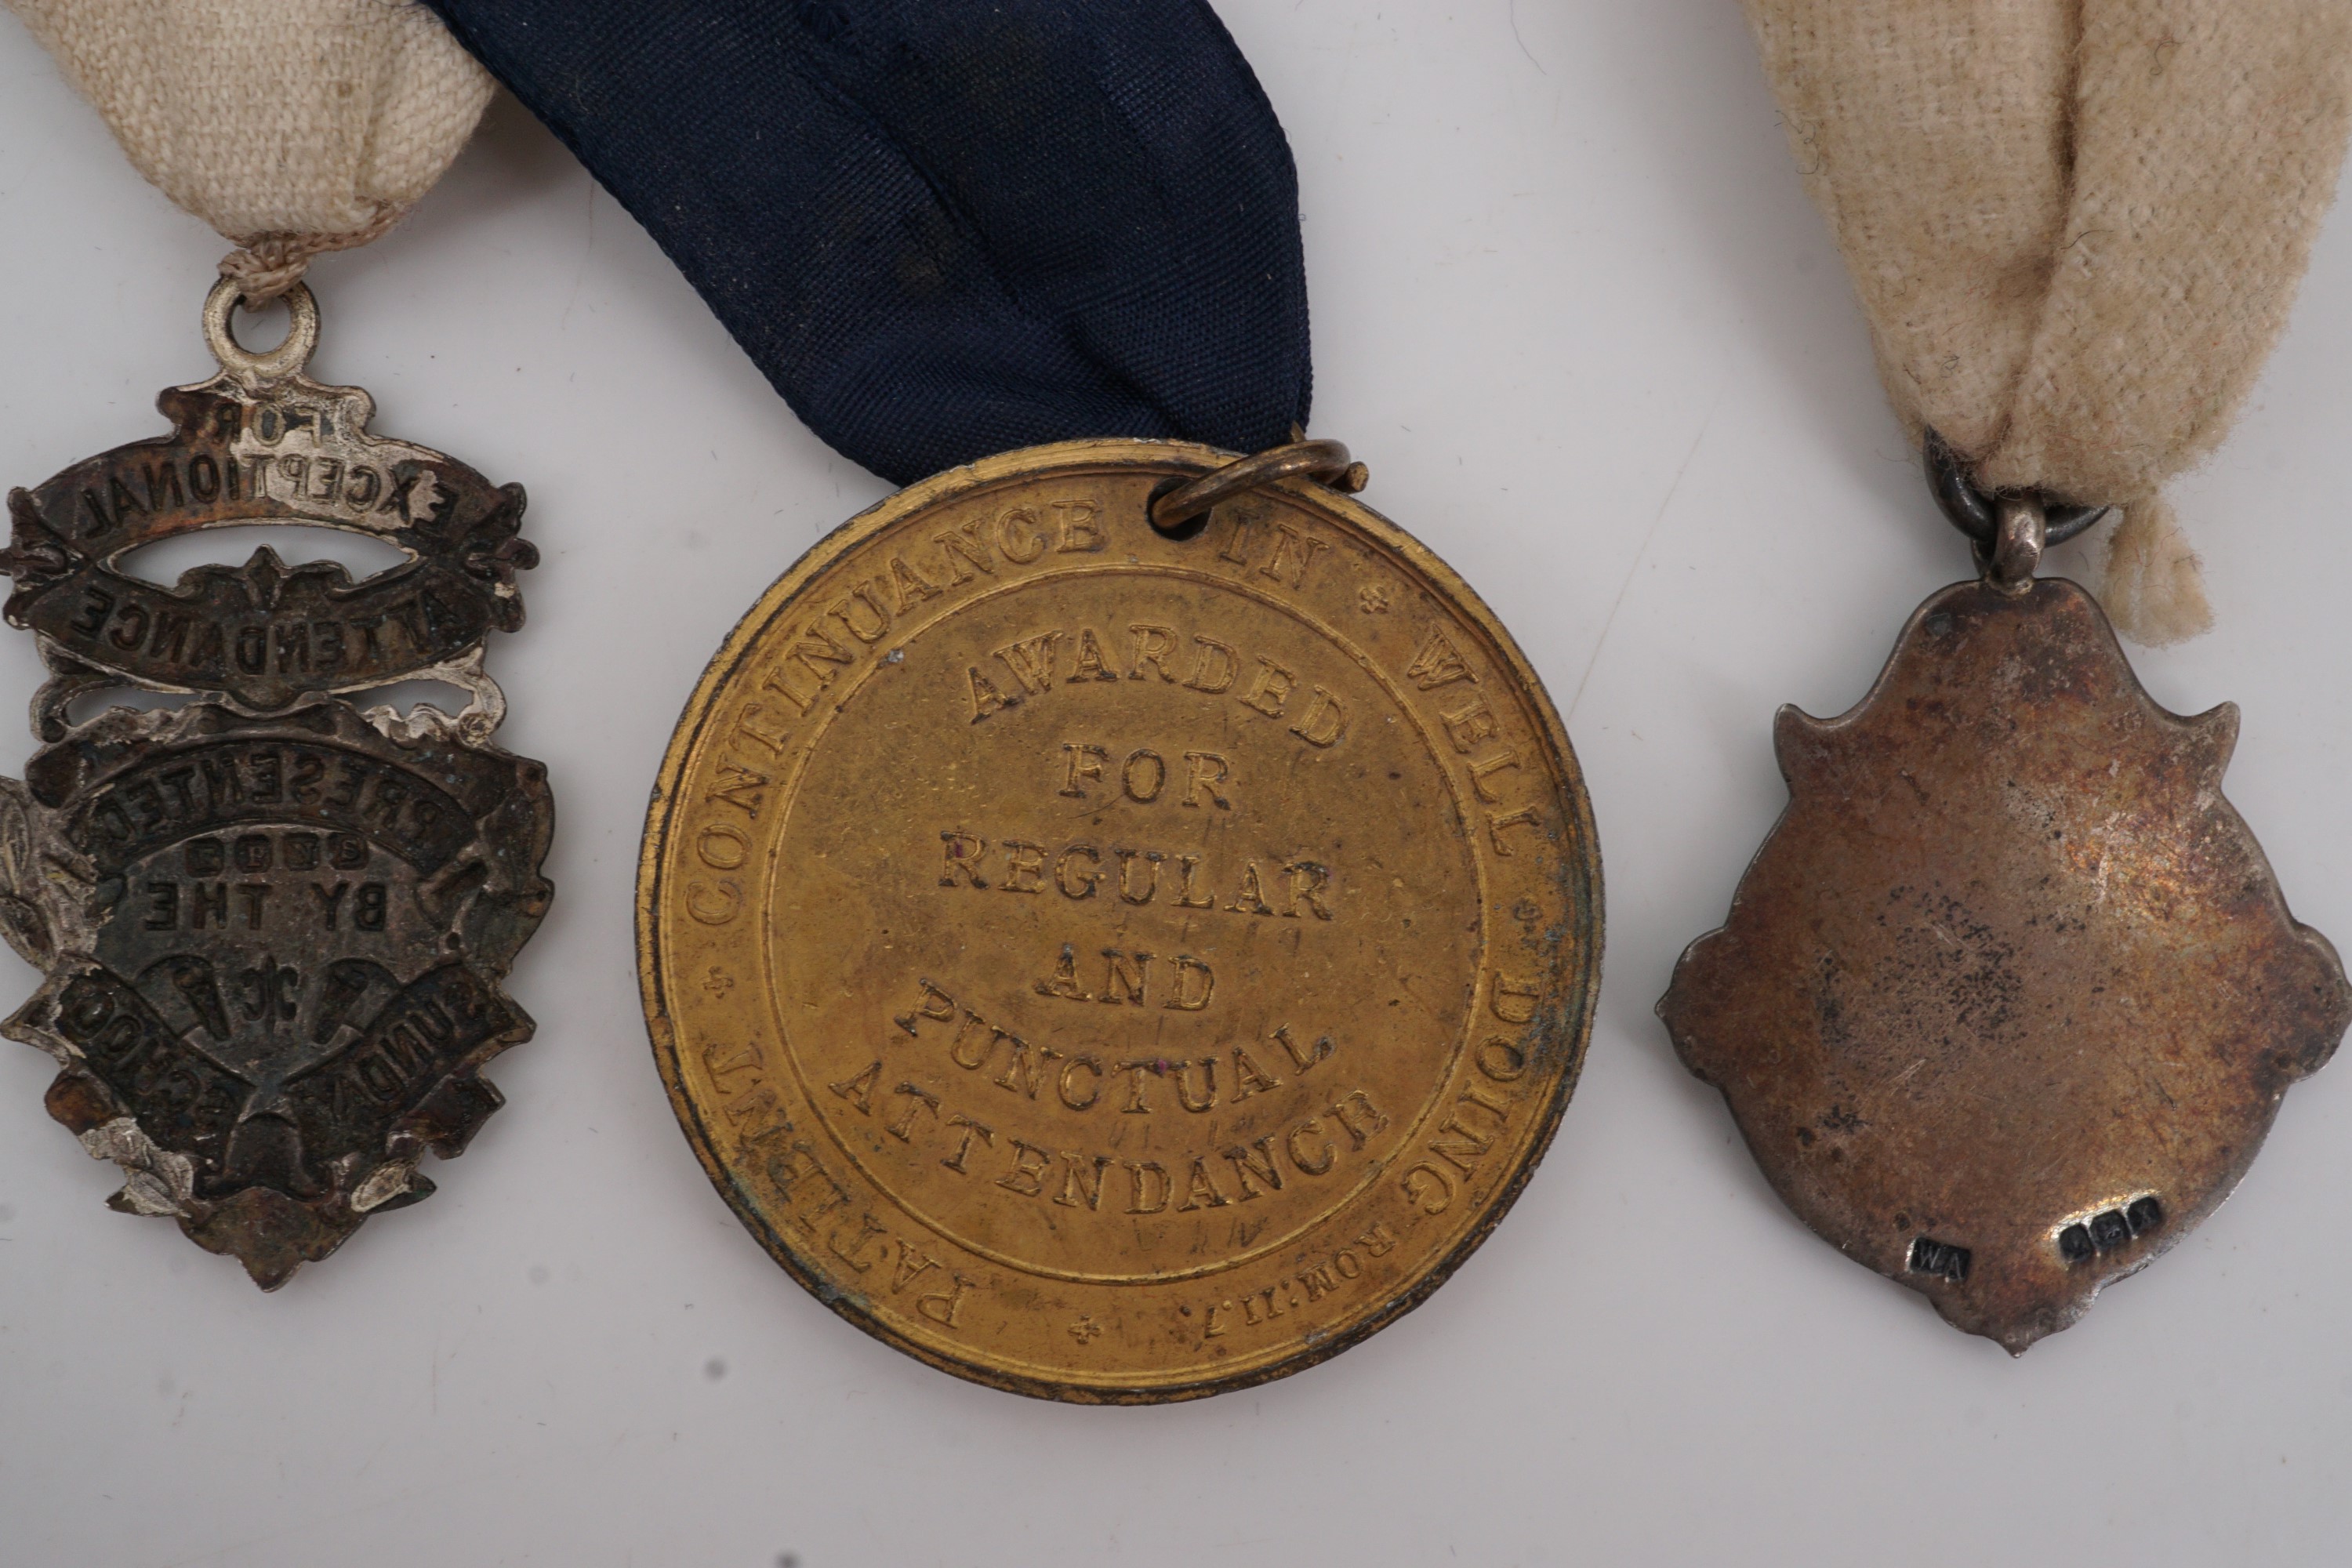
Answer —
2076 227
292 126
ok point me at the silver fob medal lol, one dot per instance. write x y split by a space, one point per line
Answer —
2007 1001
2009 997
274 925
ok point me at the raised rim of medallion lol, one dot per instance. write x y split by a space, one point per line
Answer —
1577 1004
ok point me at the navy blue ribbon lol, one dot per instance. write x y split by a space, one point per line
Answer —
948 228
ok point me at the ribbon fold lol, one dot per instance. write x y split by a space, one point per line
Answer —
292 126
2076 227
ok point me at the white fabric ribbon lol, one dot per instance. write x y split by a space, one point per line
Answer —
2076 227
292 126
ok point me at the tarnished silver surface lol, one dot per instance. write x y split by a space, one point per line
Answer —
2016 553
2007 1001
274 925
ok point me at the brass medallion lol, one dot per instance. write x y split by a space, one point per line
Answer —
274 926
2009 997
1112 966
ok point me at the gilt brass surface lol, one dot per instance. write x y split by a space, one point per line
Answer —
1116 967
2007 1000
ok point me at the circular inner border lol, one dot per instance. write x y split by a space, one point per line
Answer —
1565 1015
790 785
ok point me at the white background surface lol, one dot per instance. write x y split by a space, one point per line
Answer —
1574 309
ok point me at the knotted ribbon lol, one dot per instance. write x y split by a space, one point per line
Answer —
294 127
2076 227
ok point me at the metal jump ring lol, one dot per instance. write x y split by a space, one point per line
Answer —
2010 562
288 358
1325 460
1976 514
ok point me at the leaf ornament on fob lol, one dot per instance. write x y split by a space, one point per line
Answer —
274 925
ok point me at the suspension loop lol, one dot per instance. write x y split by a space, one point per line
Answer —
1977 514
286 359
2017 539
1325 461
